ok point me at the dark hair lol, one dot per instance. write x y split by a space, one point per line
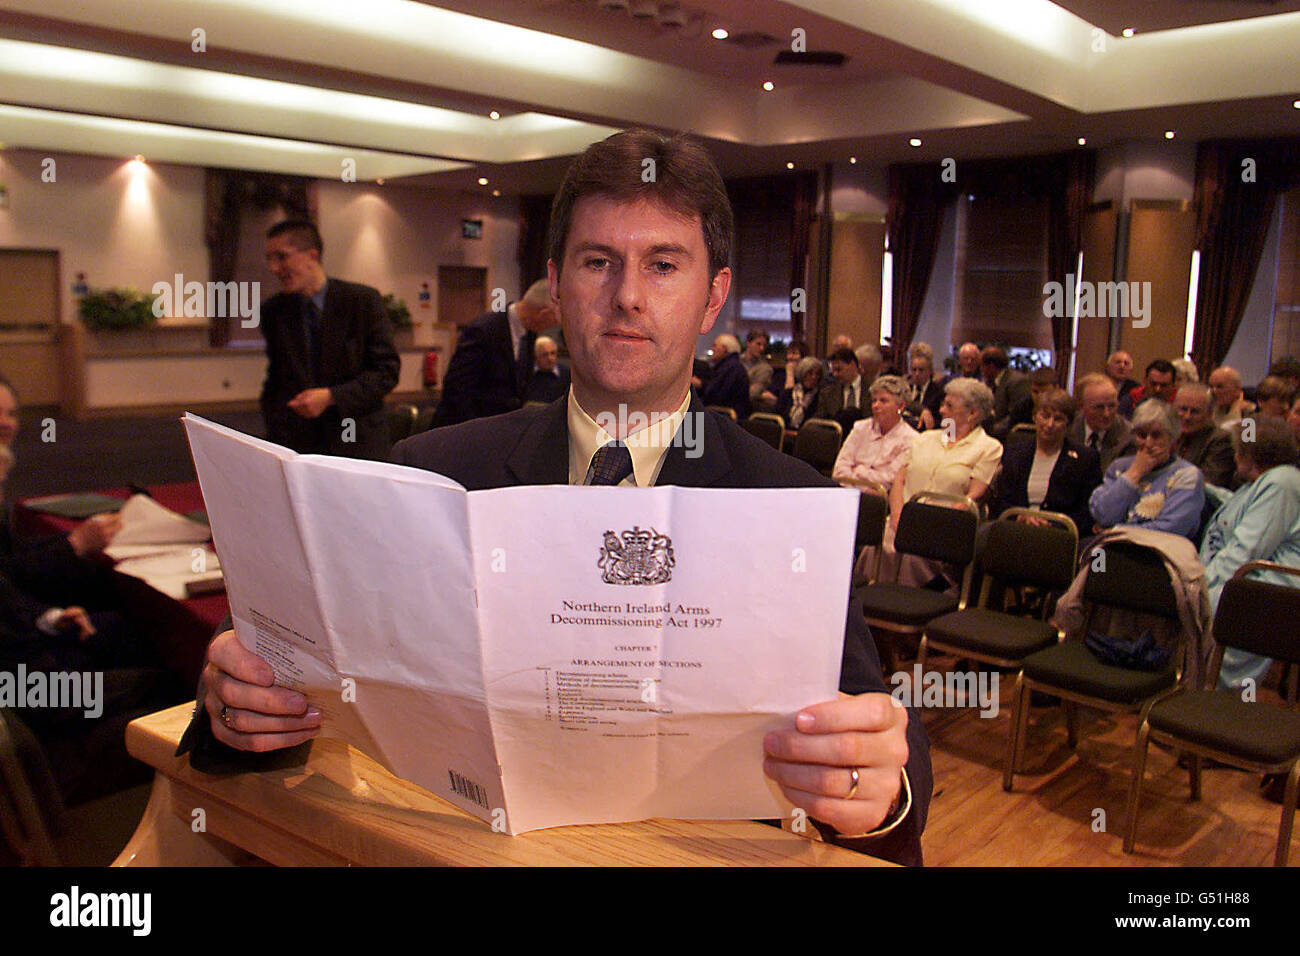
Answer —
1287 367
303 234
757 334
1274 386
994 356
1043 376
1058 400
1273 445
798 345
1163 366
843 355
682 178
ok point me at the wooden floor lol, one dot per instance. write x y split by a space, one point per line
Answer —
1051 817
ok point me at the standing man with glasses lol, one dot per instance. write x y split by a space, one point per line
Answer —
329 351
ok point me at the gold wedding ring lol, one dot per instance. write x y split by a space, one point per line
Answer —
854 787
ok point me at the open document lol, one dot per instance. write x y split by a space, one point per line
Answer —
541 655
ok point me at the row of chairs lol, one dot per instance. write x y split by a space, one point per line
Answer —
1023 558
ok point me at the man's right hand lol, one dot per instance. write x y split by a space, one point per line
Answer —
258 715
95 533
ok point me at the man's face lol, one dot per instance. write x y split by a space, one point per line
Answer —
1193 410
1119 366
1160 385
844 372
1225 390
969 360
634 295
1293 419
547 356
719 350
1099 407
920 372
8 416
756 347
989 372
295 268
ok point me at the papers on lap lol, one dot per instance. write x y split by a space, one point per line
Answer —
541 655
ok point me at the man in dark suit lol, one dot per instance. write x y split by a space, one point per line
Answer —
844 398
550 377
728 382
489 372
926 387
1206 446
1009 386
1098 426
329 351
639 271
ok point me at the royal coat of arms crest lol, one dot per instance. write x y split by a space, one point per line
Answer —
639 558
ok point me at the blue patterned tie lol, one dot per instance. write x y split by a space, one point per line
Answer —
611 464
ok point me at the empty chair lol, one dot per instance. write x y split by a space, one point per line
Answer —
767 426
1015 554
1127 577
932 526
818 442
1211 723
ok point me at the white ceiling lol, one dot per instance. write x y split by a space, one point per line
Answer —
403 88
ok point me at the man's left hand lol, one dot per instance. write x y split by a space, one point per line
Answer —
814 762
311 402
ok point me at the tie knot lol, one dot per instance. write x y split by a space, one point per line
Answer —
611 464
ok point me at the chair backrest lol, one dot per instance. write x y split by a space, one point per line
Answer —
818 442
1260 617
424 420
767 426
1131 576
938 527
1017 553
723 410
401 419
873 512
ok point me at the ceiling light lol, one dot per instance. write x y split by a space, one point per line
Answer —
853 159
720 34
913 142
1128 32
496 192
482 181
1169 134
1083 141
789 165
137 158
379 181
494 115
1296 104
769 86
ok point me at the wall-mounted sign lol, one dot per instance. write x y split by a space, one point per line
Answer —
471 228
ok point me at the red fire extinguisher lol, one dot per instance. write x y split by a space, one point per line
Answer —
431 369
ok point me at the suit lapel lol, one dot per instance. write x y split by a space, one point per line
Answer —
332 332
713 461
541 456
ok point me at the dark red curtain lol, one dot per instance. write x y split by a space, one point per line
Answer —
1070 191
918 196
805 208
534 225
1237 185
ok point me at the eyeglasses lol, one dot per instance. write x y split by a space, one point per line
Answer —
1149 433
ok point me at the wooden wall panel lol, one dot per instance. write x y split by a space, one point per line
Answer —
1161 238
853 303
1099 232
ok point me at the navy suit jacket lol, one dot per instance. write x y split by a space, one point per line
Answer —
1076 474
483 376
728 384
359 365
531 447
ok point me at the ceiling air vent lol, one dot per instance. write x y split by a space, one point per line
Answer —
751 40
811 58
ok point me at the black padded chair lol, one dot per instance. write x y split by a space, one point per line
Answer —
932 526
1207 722
873 514
768 426
723 410
1014 555
818 443
1134 579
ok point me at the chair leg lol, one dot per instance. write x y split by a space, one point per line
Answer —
1288 816
1016 734
1194 775
1135 787
1072 723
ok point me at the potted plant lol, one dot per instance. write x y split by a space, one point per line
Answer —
116 310
400 316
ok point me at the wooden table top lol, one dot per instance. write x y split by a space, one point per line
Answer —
341 807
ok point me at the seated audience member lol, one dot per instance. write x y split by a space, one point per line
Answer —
1273 397
1009 387
550 378
1152 488
1260 522
968 360
1288 369
957 458
926 393
1118 368
798 400
1229 402
1293 418
1207 447
1041 380
757 367
728 383
840 342
794 354
1184 372
1052 473
870 362
1098 425
843 398
1159 383
877 446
